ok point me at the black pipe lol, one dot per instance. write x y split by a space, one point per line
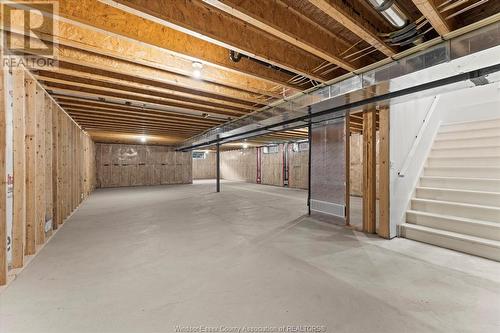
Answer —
218 167
407 91
309 136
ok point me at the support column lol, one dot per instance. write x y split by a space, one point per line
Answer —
369 172
218 167
309 136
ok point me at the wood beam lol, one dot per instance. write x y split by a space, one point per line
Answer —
101 17
343 14
429 9
198 19
277 19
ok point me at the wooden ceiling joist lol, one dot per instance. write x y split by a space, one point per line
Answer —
359 25
134 119
118 108
136 91
429 9
69 74
103 17
80 44
61 88
133 114
84 119
126 130
277 19
209 24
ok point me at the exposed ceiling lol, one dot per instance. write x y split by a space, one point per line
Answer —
129 68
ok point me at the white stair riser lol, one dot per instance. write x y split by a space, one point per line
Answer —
492 161
486 199
463 172
452 243
473 125
487 185
455 225
468 134
465 152
455 209
488 141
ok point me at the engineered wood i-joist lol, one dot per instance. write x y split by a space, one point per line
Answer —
19 155
3 182
31 166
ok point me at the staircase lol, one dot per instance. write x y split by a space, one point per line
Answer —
457 201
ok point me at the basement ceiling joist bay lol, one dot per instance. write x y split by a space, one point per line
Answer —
174 69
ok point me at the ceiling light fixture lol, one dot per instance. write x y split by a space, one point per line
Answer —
143 139
197 67
245 145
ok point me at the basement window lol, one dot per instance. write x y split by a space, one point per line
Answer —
199 155
270 150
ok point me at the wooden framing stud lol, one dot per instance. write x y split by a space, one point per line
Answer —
369 172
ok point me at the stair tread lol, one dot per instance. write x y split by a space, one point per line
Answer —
463 167
454 123
469 147
457 190
468 138
454 235
457 203
461 178
464 157
453 217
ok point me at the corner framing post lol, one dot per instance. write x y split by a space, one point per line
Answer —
218 167
309 136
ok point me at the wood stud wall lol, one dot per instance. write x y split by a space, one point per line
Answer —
54 168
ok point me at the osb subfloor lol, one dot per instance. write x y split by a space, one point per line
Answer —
149 259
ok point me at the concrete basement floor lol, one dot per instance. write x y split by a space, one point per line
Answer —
148 259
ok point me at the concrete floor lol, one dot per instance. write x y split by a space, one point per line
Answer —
149 259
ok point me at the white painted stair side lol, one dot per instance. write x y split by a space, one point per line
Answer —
457 201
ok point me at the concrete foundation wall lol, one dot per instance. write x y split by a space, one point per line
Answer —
120 165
